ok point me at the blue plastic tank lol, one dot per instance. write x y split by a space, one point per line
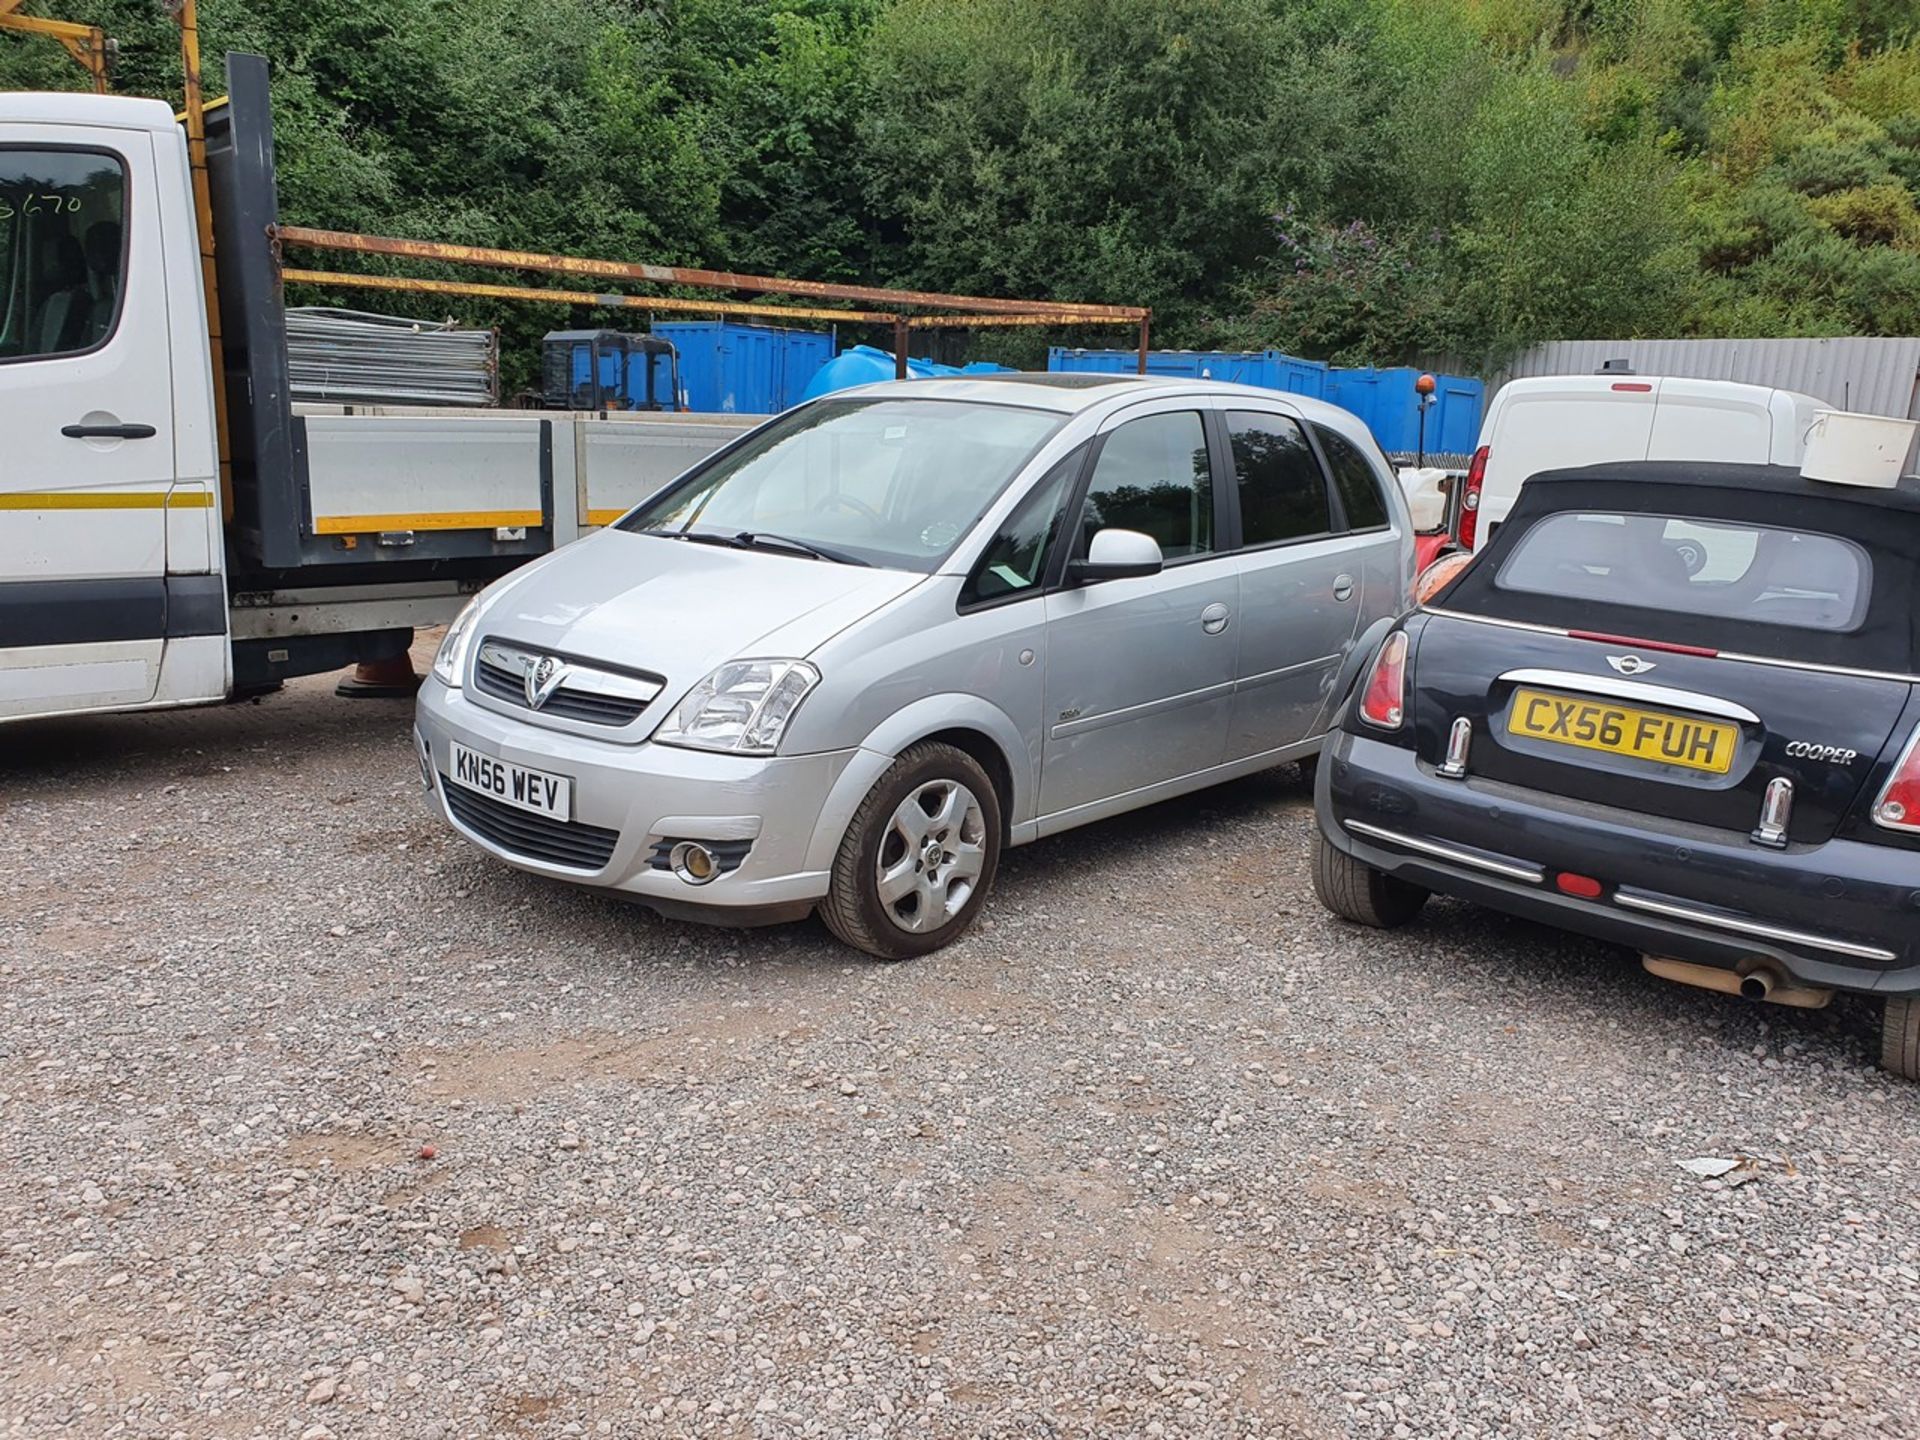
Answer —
866 365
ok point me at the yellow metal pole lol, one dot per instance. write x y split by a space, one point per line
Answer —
85 43
186 12
982 322
305 236
674 303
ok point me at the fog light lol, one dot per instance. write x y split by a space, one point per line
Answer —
693 862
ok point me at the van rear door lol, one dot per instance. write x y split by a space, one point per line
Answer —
1552 424
1710 420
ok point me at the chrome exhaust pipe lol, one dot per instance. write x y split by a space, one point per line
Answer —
1755 984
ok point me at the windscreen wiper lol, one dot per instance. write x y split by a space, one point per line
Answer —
758 540
698 537
764 540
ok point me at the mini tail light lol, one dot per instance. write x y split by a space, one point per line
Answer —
1383 706
1470 499
1898 807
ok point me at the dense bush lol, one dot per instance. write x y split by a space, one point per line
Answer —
1360 179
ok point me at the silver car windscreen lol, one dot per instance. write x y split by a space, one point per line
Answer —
893 483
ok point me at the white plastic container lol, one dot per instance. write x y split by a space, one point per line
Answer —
1846 448
1425 488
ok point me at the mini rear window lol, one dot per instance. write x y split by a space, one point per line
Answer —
1712 568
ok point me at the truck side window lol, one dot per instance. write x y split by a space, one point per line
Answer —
1359 485
62 250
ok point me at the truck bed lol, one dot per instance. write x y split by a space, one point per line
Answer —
407 475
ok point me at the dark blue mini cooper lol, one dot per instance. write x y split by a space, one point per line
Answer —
1673 706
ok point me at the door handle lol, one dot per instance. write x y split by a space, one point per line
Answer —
1214 618
1343 587
108 432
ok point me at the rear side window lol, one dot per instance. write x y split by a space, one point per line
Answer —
1717 569
62 249
1153 476
1283 495
1358 482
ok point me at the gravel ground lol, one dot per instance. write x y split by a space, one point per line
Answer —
318 1123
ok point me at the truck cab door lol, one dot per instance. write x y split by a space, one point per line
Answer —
87 468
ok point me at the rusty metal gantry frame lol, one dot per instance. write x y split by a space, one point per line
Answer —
882 306
86 43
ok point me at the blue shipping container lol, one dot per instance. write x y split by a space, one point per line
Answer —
1269 369
1387 401
729 369
1384 399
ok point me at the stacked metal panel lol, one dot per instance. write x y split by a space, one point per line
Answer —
350 357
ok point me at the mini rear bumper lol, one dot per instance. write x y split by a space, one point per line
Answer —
1843 915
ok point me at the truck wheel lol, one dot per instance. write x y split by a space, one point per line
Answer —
918 857
1358 892
1900 1038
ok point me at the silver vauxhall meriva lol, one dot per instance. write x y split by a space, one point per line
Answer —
842 662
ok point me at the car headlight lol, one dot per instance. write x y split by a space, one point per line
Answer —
450 661
743 707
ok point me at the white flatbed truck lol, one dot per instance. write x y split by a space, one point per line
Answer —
136 570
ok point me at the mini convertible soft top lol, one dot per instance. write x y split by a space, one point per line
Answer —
1885 524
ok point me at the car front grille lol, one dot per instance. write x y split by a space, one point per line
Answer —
586 693
535 837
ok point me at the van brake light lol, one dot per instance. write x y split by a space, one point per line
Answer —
1470 499
1898 807
1383 706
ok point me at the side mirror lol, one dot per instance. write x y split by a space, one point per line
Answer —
1117 555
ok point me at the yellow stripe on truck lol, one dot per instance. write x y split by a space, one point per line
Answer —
603 517
444 520
108 500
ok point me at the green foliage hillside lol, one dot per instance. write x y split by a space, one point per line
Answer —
1356 179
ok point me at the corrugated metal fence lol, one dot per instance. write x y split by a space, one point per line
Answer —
1875 376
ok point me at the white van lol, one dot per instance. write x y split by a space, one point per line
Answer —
1553 422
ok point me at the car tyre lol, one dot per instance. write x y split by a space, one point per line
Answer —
918 857
1900 1038
1356 891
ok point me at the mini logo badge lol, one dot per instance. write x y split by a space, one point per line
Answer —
1630 664
542 679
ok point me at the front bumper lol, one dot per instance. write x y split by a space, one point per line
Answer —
652 795
1843 915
